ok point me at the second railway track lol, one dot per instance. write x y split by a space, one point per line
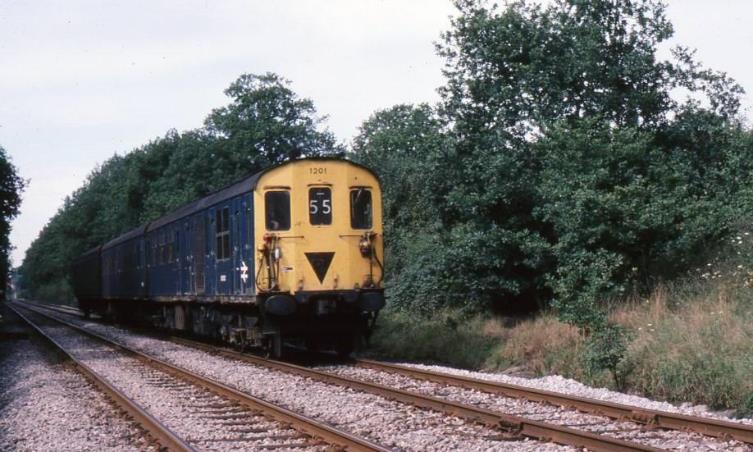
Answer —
654 418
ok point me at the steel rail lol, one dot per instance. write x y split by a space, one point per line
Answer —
514 425
302 423
61 308
672 421
656 418
161 433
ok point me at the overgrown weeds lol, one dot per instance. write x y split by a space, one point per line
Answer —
691 341
693 346
447 338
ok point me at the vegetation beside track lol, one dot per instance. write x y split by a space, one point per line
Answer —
542 178
688 341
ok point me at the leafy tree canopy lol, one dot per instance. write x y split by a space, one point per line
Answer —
264 123
569 170
519 68
11 187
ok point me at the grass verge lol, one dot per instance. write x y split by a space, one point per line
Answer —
690 342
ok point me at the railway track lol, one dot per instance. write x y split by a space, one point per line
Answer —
161 433
514 426
641 418
653 418
247 419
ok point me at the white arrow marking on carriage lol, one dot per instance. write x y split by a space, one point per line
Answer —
244 272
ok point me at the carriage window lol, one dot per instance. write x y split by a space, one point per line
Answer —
177 245
236 230
161 250
360 209
223 233
207 236
320 205
163 242
169 245
277 210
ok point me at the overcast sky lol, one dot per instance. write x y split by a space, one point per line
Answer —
82 80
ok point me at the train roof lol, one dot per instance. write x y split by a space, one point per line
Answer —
245 185
133 233
88 253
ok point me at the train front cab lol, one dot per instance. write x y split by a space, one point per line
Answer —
319 251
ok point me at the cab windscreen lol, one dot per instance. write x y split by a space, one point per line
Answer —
360 209
320 205
277 210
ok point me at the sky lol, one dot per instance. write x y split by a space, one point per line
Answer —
83 80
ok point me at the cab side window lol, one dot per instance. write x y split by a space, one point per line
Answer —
277 210
360 209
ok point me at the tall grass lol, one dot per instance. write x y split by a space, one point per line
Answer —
691 341
447 338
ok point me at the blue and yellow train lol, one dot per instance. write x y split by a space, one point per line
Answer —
295 251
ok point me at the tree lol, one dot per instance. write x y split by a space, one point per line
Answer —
406 145
266 123
519 76
518 69
11 187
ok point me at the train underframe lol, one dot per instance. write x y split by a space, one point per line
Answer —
340 321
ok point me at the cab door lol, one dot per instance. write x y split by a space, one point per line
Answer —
320 251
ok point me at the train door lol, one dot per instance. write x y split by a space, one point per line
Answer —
199 253
185 259
235 247
177 265
223 254
246 246
210 264
319 235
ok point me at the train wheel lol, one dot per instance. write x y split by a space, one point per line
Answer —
273 346
345 345
277 346
312 344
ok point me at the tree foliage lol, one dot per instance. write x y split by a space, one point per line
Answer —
571 171
11 187
264 123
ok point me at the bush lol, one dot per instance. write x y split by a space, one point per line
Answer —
604 350
745 409
56 291
447 338
689 341
542 345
